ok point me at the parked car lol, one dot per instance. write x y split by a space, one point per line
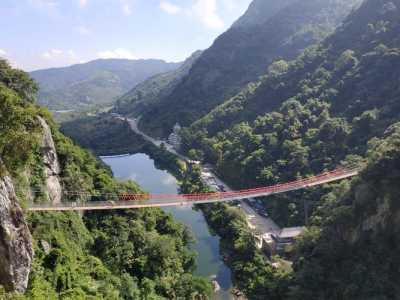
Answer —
221 188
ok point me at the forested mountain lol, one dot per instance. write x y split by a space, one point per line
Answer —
351 250
268 31
103 134
153 90
336 104
308 114
140 254
96 83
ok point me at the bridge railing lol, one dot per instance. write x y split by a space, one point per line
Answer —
115 199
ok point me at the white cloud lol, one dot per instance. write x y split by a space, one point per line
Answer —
168 181
170 8
126 9
83 30
117 53
11 61
51 54
49 7
44 2
60 57
230 4
82 3
206 10
126 6
71 54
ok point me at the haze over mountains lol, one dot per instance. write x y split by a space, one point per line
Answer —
153 90
293 89
96 83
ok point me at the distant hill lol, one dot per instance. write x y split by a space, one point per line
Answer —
96 83
152 90
268 31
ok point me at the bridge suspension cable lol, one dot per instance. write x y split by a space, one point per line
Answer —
125 200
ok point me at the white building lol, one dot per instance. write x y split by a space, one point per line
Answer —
174 138
278 242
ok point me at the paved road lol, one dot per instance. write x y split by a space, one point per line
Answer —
133 123
258 223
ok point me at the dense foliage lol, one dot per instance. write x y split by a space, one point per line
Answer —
151 91
107 135
252 272
335 104
349 251
310 114
18 123
324 109
147 249
242 54
122 255
103 134
352 250
93 84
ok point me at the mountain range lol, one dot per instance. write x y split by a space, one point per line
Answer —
152 90
94 84
336 104
268 31
294 88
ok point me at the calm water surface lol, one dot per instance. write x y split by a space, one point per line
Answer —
141 168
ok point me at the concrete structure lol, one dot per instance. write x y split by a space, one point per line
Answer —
279 242
174 138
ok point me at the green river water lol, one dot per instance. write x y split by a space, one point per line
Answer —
141 168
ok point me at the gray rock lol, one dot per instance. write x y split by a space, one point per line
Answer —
51 164
16 250
45 246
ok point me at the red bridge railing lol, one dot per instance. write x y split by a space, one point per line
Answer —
128 200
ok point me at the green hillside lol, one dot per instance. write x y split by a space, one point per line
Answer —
93 84
244 53
152 91
141 254
336 104
103 134
351 251
309 114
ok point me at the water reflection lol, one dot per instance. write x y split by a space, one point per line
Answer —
141 168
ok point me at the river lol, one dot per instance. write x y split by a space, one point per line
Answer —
141 168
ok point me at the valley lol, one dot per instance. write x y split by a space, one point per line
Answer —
265 166
141 168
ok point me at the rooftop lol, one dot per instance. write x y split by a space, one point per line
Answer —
291 232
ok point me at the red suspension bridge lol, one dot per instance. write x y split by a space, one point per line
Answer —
127 201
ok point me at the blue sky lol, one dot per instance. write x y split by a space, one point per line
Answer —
51 33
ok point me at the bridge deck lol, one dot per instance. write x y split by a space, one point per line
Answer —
181 200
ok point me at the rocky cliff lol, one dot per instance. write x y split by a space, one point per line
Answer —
16 250
51 164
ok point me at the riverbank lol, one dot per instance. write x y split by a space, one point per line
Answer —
145 171
104 135
237 242
253 273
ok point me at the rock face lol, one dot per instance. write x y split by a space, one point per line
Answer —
260 11
51 164
16 250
